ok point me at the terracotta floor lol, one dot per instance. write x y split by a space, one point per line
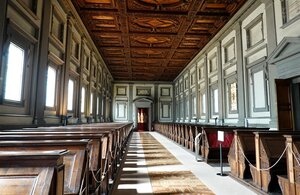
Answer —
134 178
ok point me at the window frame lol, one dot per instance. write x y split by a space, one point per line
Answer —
212 96
210 63
226 47
57 87
230 81
25 41
286 20
74 95
162 113
257 68
201 105
249 26
83 112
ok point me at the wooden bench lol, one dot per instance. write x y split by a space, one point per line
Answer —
32 172
210 146
290 183
243 144
75 161
269 146
97 154
116 141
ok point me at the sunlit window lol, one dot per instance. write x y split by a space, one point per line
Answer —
14 73
233 96
91 103
70 94
203 103
97 111
51 85
82 99
215 101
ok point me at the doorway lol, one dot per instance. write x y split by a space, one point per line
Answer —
288 103
143 119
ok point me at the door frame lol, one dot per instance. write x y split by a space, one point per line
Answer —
143 102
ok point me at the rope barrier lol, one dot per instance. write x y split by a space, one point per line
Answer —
104 168
82 189
197 141
265 169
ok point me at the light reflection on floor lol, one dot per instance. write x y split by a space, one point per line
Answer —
134 177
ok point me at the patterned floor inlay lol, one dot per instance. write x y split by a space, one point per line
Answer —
155 153
171 181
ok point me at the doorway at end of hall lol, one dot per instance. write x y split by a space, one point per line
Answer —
142 117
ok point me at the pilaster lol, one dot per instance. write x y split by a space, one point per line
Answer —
42 66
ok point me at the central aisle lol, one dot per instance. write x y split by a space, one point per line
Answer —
169 173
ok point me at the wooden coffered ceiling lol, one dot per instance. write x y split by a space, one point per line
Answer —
152 40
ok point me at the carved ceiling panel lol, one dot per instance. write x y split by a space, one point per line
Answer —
154 24
184 53
107 4
152 40
149 53
160 5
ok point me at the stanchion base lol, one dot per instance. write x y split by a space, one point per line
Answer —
222 174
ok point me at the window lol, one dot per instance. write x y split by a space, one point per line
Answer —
232 97
215 100
194 106
82 99
187 106
203 103
97 111
70 94
14 74
51 87
290 9
91 103
181 110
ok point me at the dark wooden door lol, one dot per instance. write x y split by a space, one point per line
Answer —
284 105
142 119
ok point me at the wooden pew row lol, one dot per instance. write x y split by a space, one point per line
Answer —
262 150
32 172
268 148
290 183
117 136
185 135
243 144
103 174
75 161
97 153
